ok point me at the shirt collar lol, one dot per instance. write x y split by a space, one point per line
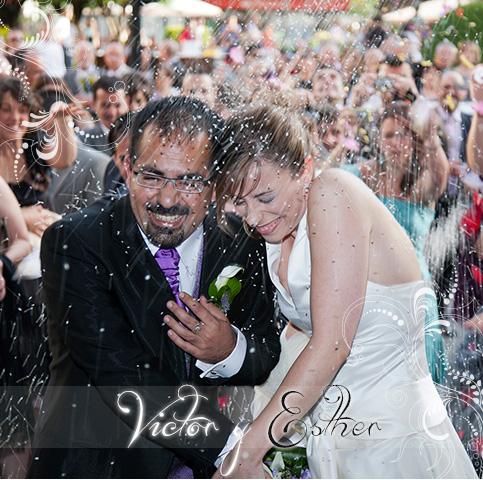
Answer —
188 249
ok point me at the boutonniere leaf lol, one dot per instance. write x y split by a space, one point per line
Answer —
223 290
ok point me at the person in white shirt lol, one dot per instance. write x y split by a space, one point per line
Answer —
115 61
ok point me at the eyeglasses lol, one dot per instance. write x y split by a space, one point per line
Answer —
155 181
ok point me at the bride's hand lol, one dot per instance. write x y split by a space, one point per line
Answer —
240 463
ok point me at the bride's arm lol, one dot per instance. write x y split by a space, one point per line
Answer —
339 233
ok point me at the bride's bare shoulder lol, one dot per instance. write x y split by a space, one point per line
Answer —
336 182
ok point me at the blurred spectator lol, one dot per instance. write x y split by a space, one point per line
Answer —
329 133
467 307
80 79
307 67
80 183
372 60
445 55
228 100
188 32
201 86
230 33
449 110
413 42
120 137
376 94
253 34
29 172
109 102
353 140
16 245
351 65
77 181
469 57
363 91
52 89
115 61
430 82
164 81
13 44
33 65
167 50
409 177
394 45
138 91
23 350
269 42
376 33
393 65
146 65
329 55
474 145
328 87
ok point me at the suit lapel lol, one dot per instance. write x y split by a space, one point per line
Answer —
219 251
212 262
212 250
146 289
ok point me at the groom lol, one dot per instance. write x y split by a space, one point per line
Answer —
112 278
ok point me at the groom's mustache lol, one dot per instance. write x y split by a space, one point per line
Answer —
174 210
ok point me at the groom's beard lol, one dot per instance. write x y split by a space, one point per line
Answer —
166 237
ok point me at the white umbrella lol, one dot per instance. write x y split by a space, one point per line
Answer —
429 11
195 8
158 10
400 16
433 10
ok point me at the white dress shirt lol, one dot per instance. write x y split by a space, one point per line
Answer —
189 252
452 129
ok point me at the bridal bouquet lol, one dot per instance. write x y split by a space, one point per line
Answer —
288 463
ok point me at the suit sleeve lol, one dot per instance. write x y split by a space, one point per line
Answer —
86 317
257 320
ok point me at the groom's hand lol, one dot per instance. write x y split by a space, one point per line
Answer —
206 333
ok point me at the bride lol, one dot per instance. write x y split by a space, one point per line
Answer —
353 382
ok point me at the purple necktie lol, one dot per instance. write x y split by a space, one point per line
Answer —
168 261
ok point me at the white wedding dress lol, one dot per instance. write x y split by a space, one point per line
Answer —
386 376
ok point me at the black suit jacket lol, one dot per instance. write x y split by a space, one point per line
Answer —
465 130
106 298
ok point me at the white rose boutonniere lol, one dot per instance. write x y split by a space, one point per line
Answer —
226 287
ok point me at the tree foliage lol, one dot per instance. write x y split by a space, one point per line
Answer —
462 24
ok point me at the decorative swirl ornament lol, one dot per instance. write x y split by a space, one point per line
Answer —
39 37
49 143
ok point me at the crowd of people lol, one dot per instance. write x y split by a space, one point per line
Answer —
370 104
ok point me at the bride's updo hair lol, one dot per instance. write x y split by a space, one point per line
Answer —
263 133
